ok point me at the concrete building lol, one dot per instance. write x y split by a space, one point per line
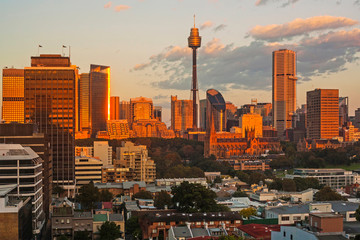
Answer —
114 108
343 111
13 95
251 122
82 221
178 181
103 151
181 114
215 110
265 195
357 118
51 106
124 109
62 220
136 158
15 214
283 89
203 103
23 167
99 97
111 174
84 103
322 113
332 177
150 128
87 169
158 113
141 108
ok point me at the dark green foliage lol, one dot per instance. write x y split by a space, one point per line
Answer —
82 235
58 190
277 184
218 180
105 196
306 183
281 162
244 177
192 198
143 195
162 199
181 171
256 177
109 231
62 237
132 227
239 194
288 185
88 195
327 194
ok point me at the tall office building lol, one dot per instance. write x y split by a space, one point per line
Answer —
322 113
84 102
13 95
99 97
284 89
50 104
203 103
124 109
141 108
114 108
343 111
357 118
181 114
216 107
158 113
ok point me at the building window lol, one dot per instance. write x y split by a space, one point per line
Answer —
284 234
154 231
198 223
285 218
62 221
211 223
291 237
352 215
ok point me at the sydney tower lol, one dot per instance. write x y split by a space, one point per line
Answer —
194 43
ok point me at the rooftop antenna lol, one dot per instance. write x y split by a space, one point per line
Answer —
194 20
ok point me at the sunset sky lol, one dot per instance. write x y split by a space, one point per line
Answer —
145 43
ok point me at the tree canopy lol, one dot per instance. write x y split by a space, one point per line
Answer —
162 199
88 196
247 212
143 195
327 194
109 231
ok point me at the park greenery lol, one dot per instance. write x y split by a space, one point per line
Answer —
89 194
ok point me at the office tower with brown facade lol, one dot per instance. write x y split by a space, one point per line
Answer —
50 104
124 109
99 97
13 95
158 113
84 102
343 111
284 89
114 108
181 114
322 113
216 107
141 108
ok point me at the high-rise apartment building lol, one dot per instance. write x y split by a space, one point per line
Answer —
99 97
103 151
322 113
114 108
141 108
50 85
284 89
181 114
22 166
13 95
84 102
87 169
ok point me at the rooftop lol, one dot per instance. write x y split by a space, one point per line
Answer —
193 217
259 231
5 189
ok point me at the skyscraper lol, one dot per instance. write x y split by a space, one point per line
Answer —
141 108
343 111
181 114
114 108
158 113
124 109
99 97
13 95
216 107
194 43
50 103
322 113
84 102
203 103
284 89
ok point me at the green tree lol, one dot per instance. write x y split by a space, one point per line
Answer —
181 171
247 212
288 185
106 196
132 227
82 235
230 237
256 177
327 194
89 194
306 183
143 195
109 231
58 190
162 199
357 214
276 184
188 197
218 179
62 237
239 194
242 176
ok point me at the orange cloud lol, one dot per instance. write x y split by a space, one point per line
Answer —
121 8
340 39
300 26
206 24
108 5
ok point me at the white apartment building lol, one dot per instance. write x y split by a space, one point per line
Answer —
101 150
87 169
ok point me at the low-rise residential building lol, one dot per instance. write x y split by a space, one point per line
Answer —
244 164
257 231
15 214
125 188
331 177
295 213
187 233
178 181
62 220
264 196
83 221
87 169
154 224
111 174
210 176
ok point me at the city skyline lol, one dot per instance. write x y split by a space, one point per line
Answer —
323 33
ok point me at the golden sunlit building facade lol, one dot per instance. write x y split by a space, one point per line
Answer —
84 107
124 110
118 129
141 108
114 108
13 95
284 89
181 114
251 122
322 113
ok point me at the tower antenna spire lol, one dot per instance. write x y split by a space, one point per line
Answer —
194 20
